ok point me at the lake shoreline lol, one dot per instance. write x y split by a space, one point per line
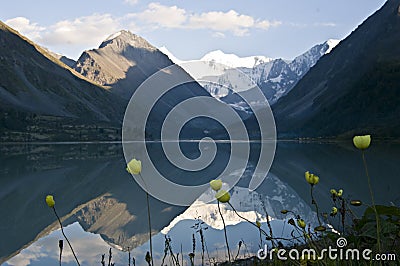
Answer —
281 140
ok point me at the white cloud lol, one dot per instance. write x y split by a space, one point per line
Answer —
25 27
88 30
159 15
265 24
131 2
74 35
316 24
325 24
218 35
220 21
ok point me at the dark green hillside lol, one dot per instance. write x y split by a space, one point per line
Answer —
373 104
354 89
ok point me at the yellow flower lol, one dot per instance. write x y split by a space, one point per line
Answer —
334 211
301 223
340 192
356 203
258 223
307 175
223 196
50 201
216 184
311 178
362 142
320 228
134 167
334 192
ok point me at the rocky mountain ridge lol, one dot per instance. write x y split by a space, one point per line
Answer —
275 77
35 86
353 89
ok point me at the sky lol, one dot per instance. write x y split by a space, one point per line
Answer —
189 28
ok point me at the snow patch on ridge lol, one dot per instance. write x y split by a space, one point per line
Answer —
113 36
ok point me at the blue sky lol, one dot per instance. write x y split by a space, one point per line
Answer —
190 28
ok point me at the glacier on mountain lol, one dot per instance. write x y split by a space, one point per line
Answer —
275 77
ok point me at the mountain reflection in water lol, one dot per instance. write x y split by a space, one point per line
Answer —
93 192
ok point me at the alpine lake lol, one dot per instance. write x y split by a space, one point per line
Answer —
102 207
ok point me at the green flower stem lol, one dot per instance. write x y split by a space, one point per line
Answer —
261 230
373 202
343 214
348 208
149 220
226 237
247 220
268 222
129 256
66 238
61 249
315 203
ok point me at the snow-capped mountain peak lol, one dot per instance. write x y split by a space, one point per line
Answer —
233 60
275 77
331 44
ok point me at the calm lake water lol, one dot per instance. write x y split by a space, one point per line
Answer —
103 207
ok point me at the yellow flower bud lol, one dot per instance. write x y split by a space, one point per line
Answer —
301 223
340 192
334 192
311 178
134 167
334 211
216 184
320 228
315 179
223 196
308 176
258 223
50 201
356 203
362 142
